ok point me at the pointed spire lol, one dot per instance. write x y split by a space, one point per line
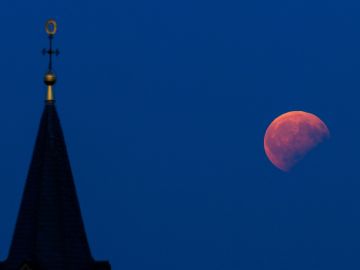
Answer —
49 232
50 77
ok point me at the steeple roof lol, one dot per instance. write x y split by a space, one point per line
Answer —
49 232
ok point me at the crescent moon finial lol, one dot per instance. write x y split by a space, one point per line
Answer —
51 27
50 77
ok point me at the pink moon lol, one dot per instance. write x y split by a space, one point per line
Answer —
291 136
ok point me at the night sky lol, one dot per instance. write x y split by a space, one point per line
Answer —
164 105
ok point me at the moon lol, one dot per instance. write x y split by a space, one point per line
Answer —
291 136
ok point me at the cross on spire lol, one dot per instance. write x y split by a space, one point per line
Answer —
51 28
50 78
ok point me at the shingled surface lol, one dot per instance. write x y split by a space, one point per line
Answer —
49 232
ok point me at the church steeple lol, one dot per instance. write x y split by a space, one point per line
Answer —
49 232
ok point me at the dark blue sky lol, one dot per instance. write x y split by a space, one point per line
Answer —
164 105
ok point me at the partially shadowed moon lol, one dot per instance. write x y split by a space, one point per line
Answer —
291 136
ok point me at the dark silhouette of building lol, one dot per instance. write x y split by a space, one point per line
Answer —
49 233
